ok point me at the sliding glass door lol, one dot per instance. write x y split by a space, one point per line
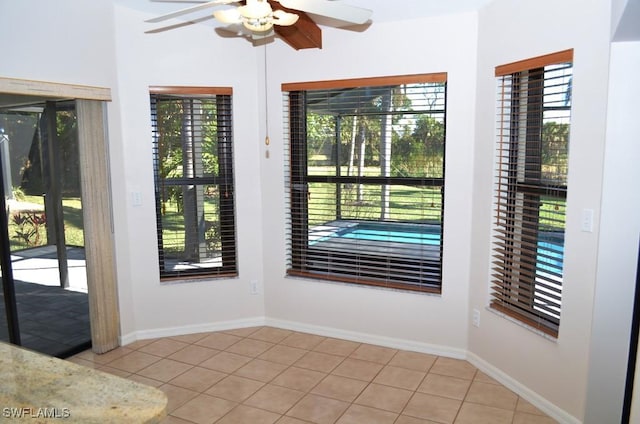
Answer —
44 286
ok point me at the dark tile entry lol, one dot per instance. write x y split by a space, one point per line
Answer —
52 320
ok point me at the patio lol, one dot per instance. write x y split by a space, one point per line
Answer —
52 320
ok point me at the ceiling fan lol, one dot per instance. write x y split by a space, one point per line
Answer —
261 17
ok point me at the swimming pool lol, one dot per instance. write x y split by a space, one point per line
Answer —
550 256
414 240
399 255
428 234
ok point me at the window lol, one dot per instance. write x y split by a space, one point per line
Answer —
366 180
193 168
534 106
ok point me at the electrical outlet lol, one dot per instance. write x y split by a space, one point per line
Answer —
253 287
475 319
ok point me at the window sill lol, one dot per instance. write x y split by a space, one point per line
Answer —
167 281
310 278
522 324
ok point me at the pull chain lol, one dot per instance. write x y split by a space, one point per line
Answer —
267 141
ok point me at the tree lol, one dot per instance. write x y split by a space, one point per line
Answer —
555 145
420 152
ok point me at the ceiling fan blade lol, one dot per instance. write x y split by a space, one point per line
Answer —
190 10
178 25
330 9
228 16
282 18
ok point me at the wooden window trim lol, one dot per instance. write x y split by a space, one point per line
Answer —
525 320
366 283
365 82
534 62
185 90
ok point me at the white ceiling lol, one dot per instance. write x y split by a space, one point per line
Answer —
397 10
629 25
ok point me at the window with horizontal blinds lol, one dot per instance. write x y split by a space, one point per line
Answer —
365 180
534 112
194 185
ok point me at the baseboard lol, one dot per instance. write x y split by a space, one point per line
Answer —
535 399
190 329
296 326
357 336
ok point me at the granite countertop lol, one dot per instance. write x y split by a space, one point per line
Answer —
35 388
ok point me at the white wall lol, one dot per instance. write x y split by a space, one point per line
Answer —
436 323
619 238
554 373
65 42
193 56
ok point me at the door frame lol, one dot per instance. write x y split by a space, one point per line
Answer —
96 197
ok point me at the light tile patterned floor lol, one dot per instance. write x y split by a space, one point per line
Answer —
266 375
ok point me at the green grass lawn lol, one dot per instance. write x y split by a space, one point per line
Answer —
405 203
173 225
73 230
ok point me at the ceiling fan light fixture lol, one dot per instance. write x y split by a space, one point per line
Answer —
258 24
255 9
256 15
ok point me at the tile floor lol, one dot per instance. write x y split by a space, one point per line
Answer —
266 375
